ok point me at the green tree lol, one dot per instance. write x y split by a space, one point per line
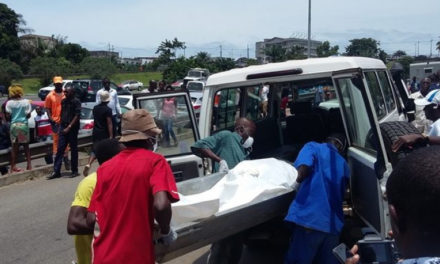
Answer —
325 50
98 68
221 64
438 46
202 59
399 53
275 53
252 62
10 26
167 50
73 52
9 71
382 55
405 61
178 68
47 67
365 47
295 53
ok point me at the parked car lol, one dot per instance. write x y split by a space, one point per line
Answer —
86 89
196 100
43 92
131 85
86 118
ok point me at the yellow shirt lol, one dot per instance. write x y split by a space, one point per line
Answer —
83 195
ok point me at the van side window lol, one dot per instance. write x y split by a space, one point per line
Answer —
376 94
253 103
226 108
355 112
387 92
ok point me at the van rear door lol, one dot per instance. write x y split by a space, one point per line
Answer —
365 151
179 131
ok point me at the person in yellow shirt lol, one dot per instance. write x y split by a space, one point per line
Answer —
105 150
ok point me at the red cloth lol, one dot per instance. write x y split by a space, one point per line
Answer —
123 205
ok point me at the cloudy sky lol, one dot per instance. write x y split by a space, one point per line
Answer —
136 28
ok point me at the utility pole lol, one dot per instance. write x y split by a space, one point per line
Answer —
418 47
309 41
415 49
221 51
430 53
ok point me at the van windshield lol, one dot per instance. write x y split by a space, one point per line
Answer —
194 74
195 87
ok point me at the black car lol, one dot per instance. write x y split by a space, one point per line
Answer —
86 89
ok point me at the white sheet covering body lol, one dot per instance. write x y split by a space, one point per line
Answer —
249 182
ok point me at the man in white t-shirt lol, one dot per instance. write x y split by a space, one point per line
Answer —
431 108
113 104
264 99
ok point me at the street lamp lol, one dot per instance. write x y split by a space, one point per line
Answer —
309 41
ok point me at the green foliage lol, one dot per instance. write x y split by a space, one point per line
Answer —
98 67
276 53
406 61
47 67
364 47
9 28
72 52
167 51
9 71
295 53
178 69
221 64
399 53
252 62
325 50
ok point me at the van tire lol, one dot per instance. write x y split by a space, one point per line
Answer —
391 131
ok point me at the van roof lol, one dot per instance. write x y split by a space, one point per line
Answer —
308 66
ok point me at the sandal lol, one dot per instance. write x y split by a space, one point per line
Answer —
16 169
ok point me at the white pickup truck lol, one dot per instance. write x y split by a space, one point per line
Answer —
308 100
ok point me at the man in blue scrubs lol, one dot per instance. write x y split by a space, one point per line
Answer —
316 213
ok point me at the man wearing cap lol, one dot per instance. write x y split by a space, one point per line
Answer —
52 104
113 103
133 189
102 126
68 132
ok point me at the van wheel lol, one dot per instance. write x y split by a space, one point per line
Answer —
391 131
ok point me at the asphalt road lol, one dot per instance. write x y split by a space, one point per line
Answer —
33 217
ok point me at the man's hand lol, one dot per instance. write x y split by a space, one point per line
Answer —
355 258
66 130
169 238
406 140
223 166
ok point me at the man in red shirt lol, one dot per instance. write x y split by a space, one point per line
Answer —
133 188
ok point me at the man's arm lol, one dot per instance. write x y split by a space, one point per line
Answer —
98 97
109 126
162 211
77 221
303 173
205 153
411 139
117 105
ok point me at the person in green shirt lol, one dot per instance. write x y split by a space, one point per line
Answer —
227 149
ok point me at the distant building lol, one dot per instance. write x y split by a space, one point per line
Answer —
103 54
145 60
37 41
286 43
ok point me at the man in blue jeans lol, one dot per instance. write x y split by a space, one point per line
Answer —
68 133
316 213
